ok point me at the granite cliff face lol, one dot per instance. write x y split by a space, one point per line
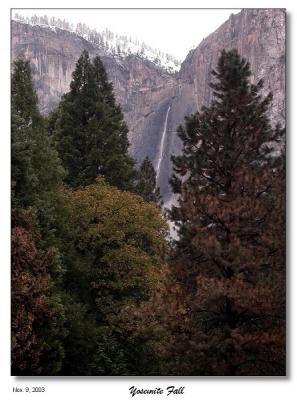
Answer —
140 86
259 36
153 101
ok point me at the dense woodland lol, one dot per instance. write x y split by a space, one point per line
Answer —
98 285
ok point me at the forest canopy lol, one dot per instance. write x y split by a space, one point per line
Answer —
98 285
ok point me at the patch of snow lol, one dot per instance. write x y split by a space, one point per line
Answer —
111 43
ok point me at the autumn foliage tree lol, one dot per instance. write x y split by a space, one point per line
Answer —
34 312
92 293
115 250
230 217
36 174
84 256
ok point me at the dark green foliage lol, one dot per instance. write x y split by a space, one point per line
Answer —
146 182
24 98
91 291
221 140
113 248
37 317
230 254
36 169
76 268
89 129
90 350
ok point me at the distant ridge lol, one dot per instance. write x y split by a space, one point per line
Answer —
110 42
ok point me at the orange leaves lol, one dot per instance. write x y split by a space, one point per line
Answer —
23 247
31 285
244 295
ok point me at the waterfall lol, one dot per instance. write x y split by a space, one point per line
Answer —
162 145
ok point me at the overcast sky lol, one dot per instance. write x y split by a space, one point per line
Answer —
173 31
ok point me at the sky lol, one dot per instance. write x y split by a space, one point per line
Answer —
173 31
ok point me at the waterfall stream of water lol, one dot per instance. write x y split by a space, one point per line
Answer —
160 157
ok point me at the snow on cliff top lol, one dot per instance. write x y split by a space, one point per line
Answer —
111 43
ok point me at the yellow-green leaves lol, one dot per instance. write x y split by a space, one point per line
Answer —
124 237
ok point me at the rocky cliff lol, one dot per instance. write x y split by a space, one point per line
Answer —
141 87
155 102
259 36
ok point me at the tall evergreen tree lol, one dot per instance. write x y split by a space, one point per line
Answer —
36 175
230 248
36 169
146 184
25 121
89 129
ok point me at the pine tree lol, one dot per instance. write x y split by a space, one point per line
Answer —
230 250
146 182
36 175
89 129
36 168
